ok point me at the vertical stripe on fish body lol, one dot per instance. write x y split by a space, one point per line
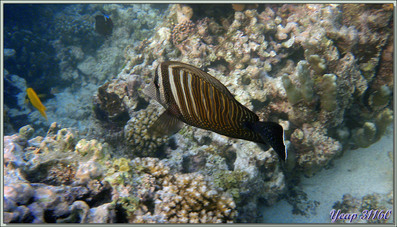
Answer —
193 96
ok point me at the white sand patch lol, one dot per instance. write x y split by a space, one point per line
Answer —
358 172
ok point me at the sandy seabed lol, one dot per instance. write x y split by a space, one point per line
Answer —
358 172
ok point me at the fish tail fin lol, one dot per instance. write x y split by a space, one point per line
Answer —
273 134
44 114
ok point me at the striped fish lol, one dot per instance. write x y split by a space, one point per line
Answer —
194 97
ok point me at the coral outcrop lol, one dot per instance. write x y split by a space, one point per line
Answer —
182 198
296 64
136 135
61 178
326 82
55 178
372 208
313 148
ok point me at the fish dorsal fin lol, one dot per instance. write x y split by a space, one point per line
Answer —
203 75
166 124
152 92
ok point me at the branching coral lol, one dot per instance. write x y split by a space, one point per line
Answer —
91 148
371 132
329 89
305 90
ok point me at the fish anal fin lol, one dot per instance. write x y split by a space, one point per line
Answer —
166 124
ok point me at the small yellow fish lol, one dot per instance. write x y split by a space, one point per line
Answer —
34 99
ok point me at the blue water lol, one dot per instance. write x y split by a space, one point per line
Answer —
49 41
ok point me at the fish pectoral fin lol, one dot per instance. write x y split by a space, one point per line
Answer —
152 92
166 124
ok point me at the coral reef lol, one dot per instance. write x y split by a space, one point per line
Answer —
108 105
181 32
323 71
136 135
240 168
53 179
372 208
188 198
313 148
119 105
56 179
305 90
63 50
83 184
178 198
162 197
301 204
372 131
297 64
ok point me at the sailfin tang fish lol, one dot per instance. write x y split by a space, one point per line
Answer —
34 99
194 97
